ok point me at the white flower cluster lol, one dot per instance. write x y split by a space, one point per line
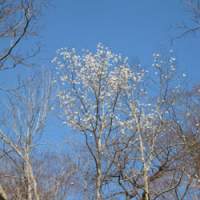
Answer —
119 78
92 81
166 66
97 87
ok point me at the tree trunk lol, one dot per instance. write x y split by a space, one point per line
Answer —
31 182
3 195
99 171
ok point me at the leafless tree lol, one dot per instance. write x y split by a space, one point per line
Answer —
193 8
26 111
17 20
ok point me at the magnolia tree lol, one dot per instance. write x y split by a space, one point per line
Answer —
127 127
147 166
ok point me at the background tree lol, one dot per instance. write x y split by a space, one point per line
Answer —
193 26
27 108
187 120
17 22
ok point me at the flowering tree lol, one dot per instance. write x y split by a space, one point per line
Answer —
106 99
148 164
94 85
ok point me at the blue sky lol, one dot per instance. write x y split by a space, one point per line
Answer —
134 28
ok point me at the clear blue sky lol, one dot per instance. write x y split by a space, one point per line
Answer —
135 28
